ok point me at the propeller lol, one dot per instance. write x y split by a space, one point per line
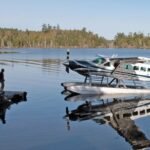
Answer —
68 53
67 62
67 118
67 111
67 69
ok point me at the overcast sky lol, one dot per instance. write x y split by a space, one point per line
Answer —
104 17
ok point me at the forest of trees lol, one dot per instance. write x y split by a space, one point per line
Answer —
132 40
55 37
50 37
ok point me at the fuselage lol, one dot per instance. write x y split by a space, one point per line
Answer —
110 68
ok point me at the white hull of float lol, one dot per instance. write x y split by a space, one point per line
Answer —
81 88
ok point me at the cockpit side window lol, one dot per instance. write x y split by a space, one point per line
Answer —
128 67
107 64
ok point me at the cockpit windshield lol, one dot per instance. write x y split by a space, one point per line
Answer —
99 60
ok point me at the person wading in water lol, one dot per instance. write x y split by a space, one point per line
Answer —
2 80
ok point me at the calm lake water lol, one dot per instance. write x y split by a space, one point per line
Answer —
38 123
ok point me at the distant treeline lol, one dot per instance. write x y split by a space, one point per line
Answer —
55 37
132 40
49 37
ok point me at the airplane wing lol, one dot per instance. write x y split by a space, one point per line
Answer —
120 120
125 69
128 129
131 59
125 59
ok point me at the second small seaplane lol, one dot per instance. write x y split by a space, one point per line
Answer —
111 72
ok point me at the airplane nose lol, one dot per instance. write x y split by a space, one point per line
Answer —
66 63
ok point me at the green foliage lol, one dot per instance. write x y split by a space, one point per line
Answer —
49 37
55 37
132 40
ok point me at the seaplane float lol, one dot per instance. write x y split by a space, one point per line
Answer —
119 113
109 75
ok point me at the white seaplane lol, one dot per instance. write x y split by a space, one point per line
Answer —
114 70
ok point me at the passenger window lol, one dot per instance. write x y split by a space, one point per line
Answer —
135 113
148 69
126 115
143 69
135 68
142 112
148 110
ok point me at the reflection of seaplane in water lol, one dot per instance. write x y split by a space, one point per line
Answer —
7 98
111 72
119 114
99 98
